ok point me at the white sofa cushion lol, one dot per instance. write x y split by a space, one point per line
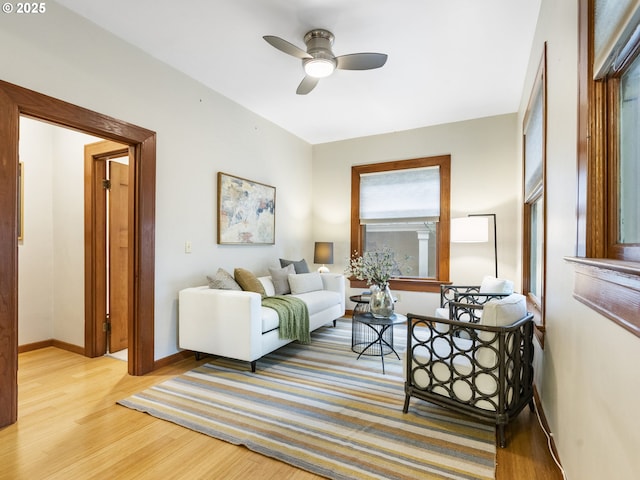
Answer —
318 300
305 282
270 319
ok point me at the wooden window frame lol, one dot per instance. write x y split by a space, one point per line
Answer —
442 234
607 275
535 304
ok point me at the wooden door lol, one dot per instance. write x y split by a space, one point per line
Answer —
97 251
118 256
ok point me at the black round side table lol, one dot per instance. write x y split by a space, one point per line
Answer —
374 336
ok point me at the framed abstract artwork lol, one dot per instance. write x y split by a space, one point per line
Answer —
246 211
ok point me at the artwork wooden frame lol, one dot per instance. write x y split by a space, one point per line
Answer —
20 201
246 211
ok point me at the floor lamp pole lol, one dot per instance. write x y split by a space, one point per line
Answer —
495 236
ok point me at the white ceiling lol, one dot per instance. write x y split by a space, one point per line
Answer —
449 60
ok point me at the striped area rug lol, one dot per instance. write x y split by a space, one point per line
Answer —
318 408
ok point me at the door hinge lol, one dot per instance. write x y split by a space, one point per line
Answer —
106 184
106 326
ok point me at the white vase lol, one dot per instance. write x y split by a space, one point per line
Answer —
381 303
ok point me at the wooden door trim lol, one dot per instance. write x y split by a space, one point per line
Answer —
16 101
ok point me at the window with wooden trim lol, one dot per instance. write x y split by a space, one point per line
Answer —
404 205
608 253
534 195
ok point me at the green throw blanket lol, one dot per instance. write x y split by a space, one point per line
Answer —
294 317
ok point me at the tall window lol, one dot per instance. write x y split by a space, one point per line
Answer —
534 158
628 176
611 161
608 254
404 205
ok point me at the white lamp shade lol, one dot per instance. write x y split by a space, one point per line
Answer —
470 230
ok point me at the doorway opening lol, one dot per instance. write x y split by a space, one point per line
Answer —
16 101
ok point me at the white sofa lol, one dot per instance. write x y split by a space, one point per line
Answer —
234 324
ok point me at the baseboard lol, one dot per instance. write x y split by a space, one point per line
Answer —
68 347
176 357
545 423
52 342
29 347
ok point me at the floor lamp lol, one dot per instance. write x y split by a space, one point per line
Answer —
474 228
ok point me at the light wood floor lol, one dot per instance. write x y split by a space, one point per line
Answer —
69 427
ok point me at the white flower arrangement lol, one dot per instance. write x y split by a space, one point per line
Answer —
376 267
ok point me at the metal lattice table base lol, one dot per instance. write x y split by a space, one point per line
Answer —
374 336
365 339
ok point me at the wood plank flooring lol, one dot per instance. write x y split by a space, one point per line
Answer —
69 427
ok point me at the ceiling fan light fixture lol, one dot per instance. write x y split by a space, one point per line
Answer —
319 67
319 61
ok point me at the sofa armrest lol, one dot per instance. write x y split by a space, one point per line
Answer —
220 322
335 282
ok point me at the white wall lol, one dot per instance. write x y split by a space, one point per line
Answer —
590 377
51 255
485 178
35 252
199 133
68 234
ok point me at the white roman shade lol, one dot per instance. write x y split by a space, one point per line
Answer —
617 28
408 195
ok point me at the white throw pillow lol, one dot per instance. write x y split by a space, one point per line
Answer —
498 313
504 311
305 282
280 278
496 285
223 280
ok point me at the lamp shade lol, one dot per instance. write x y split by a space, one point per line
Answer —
470 230
323 253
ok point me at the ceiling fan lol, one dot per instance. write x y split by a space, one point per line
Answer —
319 61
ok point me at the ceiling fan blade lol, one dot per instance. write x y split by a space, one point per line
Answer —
306 85
286 47
361 61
